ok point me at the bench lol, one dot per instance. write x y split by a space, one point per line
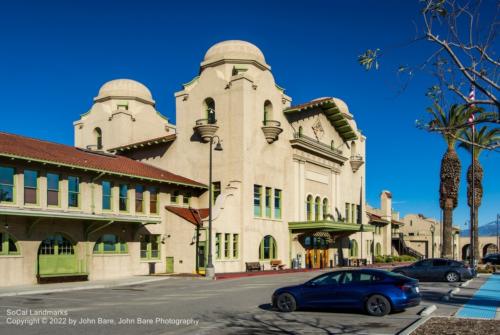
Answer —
276 264
253 266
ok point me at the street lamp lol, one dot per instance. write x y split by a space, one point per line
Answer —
433 229
210 270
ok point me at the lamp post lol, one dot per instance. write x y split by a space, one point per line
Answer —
433 229
210 270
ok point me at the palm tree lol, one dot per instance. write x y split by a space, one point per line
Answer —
449 125
484 137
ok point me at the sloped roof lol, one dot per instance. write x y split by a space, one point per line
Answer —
193 215
16 146
145 143
333 110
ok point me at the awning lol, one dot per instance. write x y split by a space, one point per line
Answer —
327 226
377 219
193 215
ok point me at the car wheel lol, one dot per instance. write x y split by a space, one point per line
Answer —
452 277
378 305
286 303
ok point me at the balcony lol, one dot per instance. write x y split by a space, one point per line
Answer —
206 129
271 130
356 162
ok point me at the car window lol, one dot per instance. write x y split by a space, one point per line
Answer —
347 278
327 279
424 263
439 262
357 277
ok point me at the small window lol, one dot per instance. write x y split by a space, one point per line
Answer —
268 110
174 197
98 138
6 184
277 204
257 200
150 246
347 212
122 106
309 208
267 248
216 190
109 244
209 107
317 207
353 248
153 200
123 192
269 195
218 237
332 145
236 246
301 131
139 198
354 215
186 199
227 244
107 195
53 189
325 209
30 187
73 191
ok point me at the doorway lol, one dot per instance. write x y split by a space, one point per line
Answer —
56 256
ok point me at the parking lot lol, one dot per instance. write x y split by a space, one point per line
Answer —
189 305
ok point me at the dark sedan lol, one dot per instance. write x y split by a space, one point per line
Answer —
437 269
491 259
378 292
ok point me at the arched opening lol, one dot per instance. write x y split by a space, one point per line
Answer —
317 208
267 248
8 244
466 252
378 249
325 209
56 256
209 110
353 149
268 111
489 248
98 138
309 208
353 248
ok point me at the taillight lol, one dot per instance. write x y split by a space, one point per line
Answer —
404 287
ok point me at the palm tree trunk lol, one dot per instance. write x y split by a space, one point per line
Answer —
447 231
478 196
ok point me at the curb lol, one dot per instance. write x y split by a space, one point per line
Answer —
428 310
80 288
450 293
413 326
466 283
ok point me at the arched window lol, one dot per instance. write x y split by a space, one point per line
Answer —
110 244
353 248
8 244
332 145
309 208
268 111
209 110
353 148
301 131
317 208
325 208
98 138
267 248
378 249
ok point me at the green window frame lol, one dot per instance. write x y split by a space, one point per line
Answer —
277 204
269 197
53 187
107 195
347 212
325 208
354 215
153 200
186 199
150 246
358 214
317 208
8 244
73 191
216 190
236 245
257 200
7 181
123 197
268 248
139 199
309 208
174 197
110 244
378 249
30 187
218 237
353 248
227 245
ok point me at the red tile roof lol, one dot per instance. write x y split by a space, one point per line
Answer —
310 104
193 215
59 154
152 141
376 218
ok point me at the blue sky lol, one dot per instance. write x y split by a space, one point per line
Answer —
56 54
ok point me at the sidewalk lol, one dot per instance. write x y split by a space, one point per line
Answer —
485 302
75 286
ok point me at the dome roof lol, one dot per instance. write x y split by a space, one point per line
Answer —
234 49
124 88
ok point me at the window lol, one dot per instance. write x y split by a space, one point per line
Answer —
359 214
439 262
56 245
53 189
98 138
150 246
347 213
353 248
257 199
123 193
30 186
378 249
107 195
301 131
216 190
369 247
269 195
218 237
186 198
6 184
327 279
174 197
332 145
353 213
268 110
325 208
122 106
236 245
8 245
267 248
139 199
73 191
209 107
309 208
153 200
110 244
317 204
227 245
424 263
277 204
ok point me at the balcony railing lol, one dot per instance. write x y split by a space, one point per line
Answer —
317 142
271 130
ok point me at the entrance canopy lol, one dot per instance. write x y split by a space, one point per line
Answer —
327 226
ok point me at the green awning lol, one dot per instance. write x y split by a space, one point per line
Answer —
327 226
